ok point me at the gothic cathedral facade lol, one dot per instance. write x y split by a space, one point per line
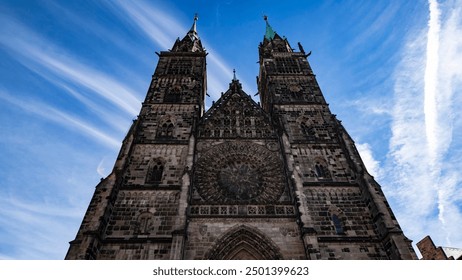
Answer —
280 180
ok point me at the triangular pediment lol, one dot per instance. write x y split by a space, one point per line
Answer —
235 115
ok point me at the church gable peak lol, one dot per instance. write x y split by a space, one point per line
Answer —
235 115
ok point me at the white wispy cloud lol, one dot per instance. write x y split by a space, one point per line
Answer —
161 27
448 105
431 80
43 222
372 28
114 120
372 165
94 27
423 155
60 117
32 49
41 209
101 170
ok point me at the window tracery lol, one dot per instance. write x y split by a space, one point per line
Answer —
166 130
239 172
320 169
155 172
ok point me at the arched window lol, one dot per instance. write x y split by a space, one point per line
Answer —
338 225
173 95
321 170
308 131
169 130
155 172
166 130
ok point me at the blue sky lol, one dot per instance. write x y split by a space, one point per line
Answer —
74 73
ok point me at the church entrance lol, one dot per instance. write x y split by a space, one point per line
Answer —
244 243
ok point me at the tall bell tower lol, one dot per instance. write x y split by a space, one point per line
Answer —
342 209
138 211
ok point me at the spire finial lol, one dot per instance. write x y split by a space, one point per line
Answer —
193 27
234 75
269 30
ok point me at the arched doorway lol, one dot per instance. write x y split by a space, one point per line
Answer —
244 243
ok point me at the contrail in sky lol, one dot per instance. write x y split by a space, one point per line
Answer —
431 81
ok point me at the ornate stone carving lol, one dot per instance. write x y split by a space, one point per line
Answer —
289 231
295 88
146 223
203 229
239 172
243 242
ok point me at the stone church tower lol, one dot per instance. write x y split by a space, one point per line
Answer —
280 180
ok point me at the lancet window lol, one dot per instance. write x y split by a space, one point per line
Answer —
166 130
155 172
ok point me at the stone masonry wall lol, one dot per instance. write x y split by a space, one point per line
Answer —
203 233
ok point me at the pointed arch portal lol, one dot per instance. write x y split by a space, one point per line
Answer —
244 243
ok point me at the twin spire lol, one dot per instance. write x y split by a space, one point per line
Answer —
192 34
270 33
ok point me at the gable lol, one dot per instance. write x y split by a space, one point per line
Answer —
235 115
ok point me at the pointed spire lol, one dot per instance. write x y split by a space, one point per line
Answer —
235 85
191 42
269 30
193 27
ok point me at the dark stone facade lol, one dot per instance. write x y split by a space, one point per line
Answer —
280 180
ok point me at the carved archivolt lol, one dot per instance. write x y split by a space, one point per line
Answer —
244 243
239 172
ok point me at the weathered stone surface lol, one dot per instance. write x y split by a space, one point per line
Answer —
276 180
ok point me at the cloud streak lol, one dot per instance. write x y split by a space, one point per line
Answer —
43 222
426 183
431 81
31 50
62 118
159 30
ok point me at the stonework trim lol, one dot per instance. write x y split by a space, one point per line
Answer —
243 242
